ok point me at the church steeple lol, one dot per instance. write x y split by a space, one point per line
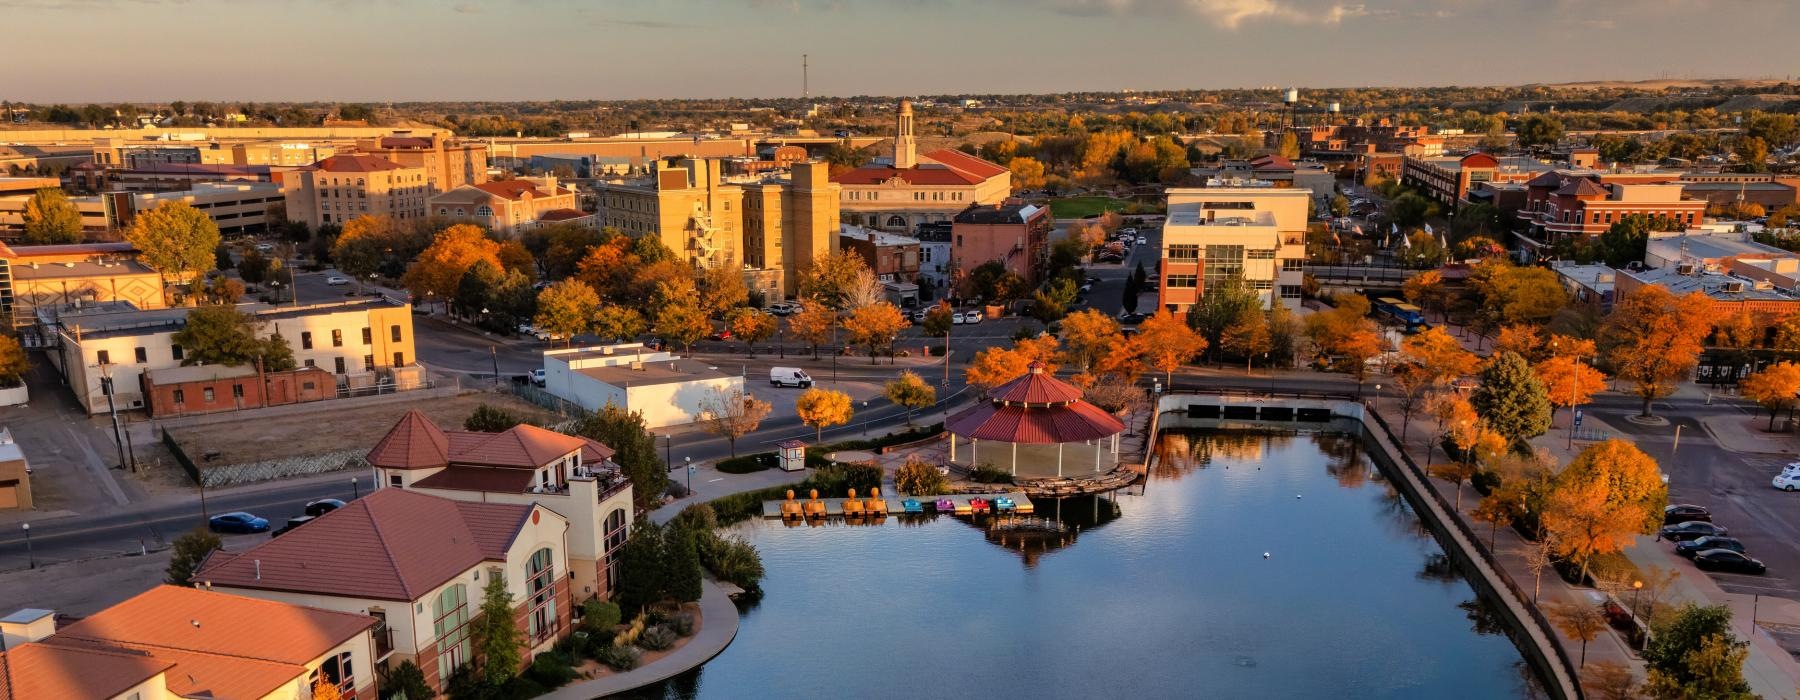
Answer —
905 148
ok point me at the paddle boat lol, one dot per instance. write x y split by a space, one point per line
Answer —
945 505
1003 504
979 505
912 505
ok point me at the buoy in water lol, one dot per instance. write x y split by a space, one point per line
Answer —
1265 555
1296 496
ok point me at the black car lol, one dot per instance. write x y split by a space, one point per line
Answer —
1683 512
1727 560
1692 530
291 524
323 506
1691 548
1133 319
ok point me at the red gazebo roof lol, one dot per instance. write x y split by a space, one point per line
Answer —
1035 409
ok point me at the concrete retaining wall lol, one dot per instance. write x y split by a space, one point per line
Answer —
1531 631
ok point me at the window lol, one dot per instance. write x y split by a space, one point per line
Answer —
206 395
337 338
1293 265
394 481
104 357
339 362
368 363
1223 262
1290 291
1261 254
484 211
337 671
237 391
1184 251
176 352
368 336
1182 281
1262 284
399 359
615 538
180 397
394 332
541 585
305 340
311 363
450 624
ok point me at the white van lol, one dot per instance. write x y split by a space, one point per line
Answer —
789 376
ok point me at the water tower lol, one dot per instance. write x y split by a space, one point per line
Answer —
1289 98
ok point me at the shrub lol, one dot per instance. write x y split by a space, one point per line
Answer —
619 658
520 687
747 463
731 558
599 617
1485 482
657 638
406 679
490 419
683 624
629 635
551 670
920 478
989 474
888 440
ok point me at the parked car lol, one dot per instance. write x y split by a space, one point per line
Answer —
237 522
291 524
789 376
337 281
265 247
1788 479
323 506
783 308
537 377
1132 319
1689 549
721 334
1143 240
1683 512
1091 280
1727 560
972 316
1691 530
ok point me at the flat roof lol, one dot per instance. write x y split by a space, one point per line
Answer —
669 372
1248 219
196 373
85 268
26 615
1712 284
1712 247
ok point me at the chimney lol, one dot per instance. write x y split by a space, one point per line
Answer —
27 625
258 569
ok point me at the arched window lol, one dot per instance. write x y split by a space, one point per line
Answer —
450 617
460 211
616 535
484 211
896 221
443 211
541 585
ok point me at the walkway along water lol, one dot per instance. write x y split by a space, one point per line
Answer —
718 626
1536 641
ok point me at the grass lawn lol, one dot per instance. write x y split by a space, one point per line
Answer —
1079 207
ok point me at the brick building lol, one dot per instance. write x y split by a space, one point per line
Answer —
186 391
340 188
1016 235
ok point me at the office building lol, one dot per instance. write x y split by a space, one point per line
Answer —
1212 234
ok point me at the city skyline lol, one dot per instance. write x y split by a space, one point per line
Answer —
414 50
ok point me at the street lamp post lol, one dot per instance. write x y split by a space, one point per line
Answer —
690 475
29 553
355 491
494 356
1636 588
668 447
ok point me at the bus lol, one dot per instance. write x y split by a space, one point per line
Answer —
1412 317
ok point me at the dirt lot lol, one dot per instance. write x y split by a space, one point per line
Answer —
316 432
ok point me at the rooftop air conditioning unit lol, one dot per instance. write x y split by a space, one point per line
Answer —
1685 269
1734 287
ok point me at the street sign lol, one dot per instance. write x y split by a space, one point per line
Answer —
1577 417
690 470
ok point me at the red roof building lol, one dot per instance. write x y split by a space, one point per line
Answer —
1036 419
904 190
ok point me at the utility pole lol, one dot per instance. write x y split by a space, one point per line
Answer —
106 387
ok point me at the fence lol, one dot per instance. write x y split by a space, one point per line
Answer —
263 470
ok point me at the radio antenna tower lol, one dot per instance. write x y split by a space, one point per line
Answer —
805 86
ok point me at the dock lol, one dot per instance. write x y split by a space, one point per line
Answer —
834 507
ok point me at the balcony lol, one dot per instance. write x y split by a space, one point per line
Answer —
384 641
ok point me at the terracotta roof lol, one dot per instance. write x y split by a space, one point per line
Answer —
404 142
1272 162
1550 178
1581 187
413 443
967 163
525 446
515 189
922 175
356 163
221 676
1038 426
59 671
490 479
393 544
1479 160
562 215
1036 387
207 622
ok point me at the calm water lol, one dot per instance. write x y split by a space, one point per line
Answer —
1161 595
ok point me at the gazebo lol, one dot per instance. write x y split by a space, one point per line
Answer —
1039 422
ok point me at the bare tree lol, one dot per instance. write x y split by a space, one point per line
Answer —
1538 555
1581 621
731 414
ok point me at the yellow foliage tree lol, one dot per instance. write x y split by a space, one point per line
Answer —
1773 388
1609 494
1169 343
910 391
875 326
1520 339
995 366
1440 355
823 408
323 690
1087 336
814 324
566 309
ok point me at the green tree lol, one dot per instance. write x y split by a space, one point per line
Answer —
1752 153
50 217
1478 220
634 450
681 549
1511 399
1340 205
643 567
615 322
496 633
406 680
1410 210
567 308
910 391
1230 302
1693 655
187 553
1626 240
490 419
1052 301
475 291
217 334
1540 130
174 239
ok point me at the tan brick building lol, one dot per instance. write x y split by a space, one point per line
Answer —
341 188
505 206
448 163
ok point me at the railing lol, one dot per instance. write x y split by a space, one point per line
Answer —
384 640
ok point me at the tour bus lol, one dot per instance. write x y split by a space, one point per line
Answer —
1402 313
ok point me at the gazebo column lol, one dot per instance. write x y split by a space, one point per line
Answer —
1115 445
973 463
1098 445
1059 460
1015 459
953 448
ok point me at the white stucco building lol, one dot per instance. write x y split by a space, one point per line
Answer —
666 389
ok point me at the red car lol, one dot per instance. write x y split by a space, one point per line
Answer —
721 335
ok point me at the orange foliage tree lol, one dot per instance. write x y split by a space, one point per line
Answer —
875 326
1169 343
823 408
1773 388
995 366
452 252
1608 495
1568 381
1653 339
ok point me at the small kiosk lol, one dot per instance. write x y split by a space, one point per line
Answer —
793 455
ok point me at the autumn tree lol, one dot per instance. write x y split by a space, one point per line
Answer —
1087 335
1569 382
1653 339
814 324
615 322
1439 354
441 266
910 391
1609 494
566 309
1511 294
996 365
323 689
732 414
1426 289
1694 655
750 325
1123 360
1510 399
365 243
679 318
721 288
875 326
176 240
49 218
1581 620
1345 336
822 408
1610 680
1522 340
1027 173
1247 337
833 278
1169 343
514 257
13 362
1774 388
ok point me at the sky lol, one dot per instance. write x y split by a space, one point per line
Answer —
400 50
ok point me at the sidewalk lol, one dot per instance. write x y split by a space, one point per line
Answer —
1771 670
718 626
